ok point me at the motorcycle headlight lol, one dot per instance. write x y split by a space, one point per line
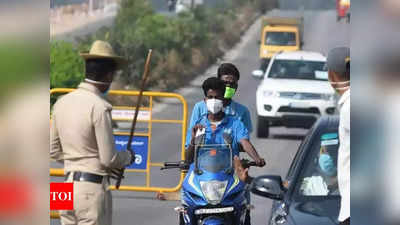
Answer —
213 190
328 97
268 94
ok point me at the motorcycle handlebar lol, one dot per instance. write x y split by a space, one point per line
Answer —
246 163
185 165
175 165
172 164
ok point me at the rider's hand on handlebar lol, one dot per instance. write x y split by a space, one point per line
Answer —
195 128
241 172
260 162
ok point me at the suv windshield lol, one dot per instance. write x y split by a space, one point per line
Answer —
319 175
298 69
214 158
280 38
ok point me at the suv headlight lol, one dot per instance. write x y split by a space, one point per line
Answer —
328 97
270 94
213 190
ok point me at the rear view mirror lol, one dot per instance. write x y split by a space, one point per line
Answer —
268 186
257 73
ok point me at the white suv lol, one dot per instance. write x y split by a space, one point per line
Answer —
294 92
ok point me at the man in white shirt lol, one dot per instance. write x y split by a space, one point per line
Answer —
339 76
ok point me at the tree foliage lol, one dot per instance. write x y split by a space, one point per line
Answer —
183 45
66 66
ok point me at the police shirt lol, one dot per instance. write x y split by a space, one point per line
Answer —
81 134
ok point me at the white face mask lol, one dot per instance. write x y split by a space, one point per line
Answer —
340 83
99 82
214 105
347 83
96 82
342 88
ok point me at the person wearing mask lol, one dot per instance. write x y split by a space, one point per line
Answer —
81 137
328 169
229 74
326 163
338 63
216 124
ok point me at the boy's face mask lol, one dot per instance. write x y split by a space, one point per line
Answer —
214 106
230 90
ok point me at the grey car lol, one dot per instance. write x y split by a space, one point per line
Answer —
309 194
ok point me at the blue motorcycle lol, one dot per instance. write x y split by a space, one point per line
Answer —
212 194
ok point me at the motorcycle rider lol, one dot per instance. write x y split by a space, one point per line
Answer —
229 74
216 124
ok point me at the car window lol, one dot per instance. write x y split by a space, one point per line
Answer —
280 38
318 176
298 69
296 159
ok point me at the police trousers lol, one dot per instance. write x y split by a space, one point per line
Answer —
92 205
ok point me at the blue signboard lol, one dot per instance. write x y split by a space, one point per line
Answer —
139 145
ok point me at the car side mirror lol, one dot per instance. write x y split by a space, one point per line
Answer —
258 42
269 186
301 44
257 74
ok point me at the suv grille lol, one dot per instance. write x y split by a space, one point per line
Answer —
299 110
300 95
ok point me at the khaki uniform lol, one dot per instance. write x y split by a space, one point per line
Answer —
81 137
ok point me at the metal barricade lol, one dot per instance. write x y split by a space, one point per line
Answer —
150 120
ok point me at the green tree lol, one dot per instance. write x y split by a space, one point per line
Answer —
183 45
66 66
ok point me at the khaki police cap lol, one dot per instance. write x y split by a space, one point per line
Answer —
103 50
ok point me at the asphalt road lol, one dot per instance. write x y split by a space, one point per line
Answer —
322 32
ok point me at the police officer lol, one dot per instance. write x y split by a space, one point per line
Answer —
81 137
339 77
